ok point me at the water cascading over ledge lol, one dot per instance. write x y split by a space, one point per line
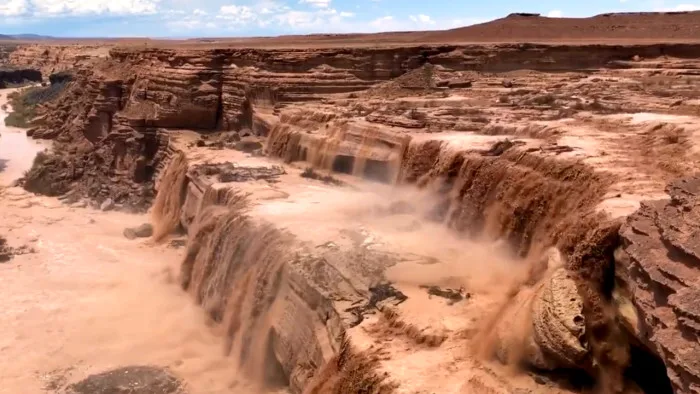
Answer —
532 202
365 152
272 295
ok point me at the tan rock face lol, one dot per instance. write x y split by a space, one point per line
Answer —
661 267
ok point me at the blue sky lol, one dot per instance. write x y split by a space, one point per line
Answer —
202 18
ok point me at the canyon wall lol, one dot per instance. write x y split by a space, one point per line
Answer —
659 269
223 89
51 58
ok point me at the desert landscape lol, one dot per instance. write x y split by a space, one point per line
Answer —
508 207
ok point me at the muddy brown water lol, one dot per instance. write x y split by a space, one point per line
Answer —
17 151
88 299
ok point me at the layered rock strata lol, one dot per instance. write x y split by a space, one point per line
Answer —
660 267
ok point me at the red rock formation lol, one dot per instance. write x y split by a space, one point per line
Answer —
661 270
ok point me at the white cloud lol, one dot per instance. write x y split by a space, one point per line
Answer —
423 19
185 24
554 14
297 19
199 12
82 7
238 14
13 8
317 3
314 20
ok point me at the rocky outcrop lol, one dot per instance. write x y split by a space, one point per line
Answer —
130 380
60 77
100 149
54 58
660 270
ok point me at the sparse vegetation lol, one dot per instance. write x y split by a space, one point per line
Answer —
24 103
310 173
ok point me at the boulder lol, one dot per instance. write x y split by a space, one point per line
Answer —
107 205
143 231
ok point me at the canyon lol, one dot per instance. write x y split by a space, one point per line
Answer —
498 208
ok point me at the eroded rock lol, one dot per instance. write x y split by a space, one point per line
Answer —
544 325
107 205
129 380
230 172
660 268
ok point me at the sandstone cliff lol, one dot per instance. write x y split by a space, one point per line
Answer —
660 267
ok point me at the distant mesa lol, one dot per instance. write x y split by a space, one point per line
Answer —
33 37
523 14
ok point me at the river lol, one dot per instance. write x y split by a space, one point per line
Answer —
17 151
